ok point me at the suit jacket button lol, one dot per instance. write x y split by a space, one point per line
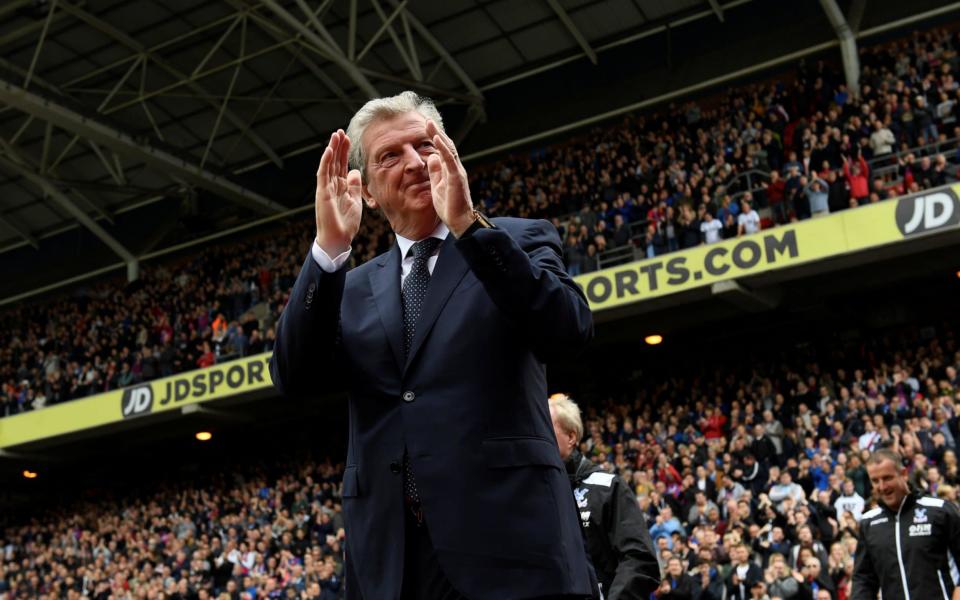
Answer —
395 468
408 396
312 287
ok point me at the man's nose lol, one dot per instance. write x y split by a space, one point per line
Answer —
412 160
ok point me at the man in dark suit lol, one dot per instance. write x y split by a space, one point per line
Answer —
453 487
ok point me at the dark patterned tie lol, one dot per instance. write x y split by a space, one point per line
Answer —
415 288
412 295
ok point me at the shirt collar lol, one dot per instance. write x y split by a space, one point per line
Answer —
440 233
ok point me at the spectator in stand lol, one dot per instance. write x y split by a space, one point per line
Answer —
689 227
749 220
858 180
776 195
881 140
654 242
744 573
780 580
850 501
786 494
713 424
590 261
678 584
730 227
207 357
814 581
710 229
838 197
795 196
573 254
818 193
666 524
219 328
621 231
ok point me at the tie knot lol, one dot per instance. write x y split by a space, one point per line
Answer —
424 248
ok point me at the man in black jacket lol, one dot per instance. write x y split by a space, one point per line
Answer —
677 584
616 533
743 574
908 542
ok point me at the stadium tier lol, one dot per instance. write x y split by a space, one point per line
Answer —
865 236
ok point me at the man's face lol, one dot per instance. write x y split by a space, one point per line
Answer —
889 482
777 534
675 567
397 181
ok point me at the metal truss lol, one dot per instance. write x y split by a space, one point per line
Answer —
353 50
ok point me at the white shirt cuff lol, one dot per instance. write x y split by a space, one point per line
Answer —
326 263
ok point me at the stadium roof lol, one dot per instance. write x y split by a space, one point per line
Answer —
112 102
110 106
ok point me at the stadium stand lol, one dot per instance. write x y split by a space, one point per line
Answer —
645 185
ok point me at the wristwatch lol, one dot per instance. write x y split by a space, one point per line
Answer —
479 222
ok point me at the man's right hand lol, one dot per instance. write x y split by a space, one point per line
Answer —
338 200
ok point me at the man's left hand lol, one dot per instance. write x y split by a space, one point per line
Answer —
448 183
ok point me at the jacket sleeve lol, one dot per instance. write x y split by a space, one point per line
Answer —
526 279
638 572
866 584
304 353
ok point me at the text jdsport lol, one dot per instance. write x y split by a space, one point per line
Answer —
676 271
929 212
139 400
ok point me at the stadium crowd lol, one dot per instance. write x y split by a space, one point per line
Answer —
215 305
676 172
666 181
752 480
248 535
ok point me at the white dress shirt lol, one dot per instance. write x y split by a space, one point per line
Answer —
332 264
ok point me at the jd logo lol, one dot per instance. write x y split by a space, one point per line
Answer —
136 401
919 214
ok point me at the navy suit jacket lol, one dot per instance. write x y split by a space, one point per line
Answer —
468 404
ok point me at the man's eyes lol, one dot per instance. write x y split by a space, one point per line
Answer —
390 159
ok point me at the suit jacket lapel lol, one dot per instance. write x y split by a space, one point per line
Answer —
450 269
385 283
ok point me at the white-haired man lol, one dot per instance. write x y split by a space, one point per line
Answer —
616 533
453 486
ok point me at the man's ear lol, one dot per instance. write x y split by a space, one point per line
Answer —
368 197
